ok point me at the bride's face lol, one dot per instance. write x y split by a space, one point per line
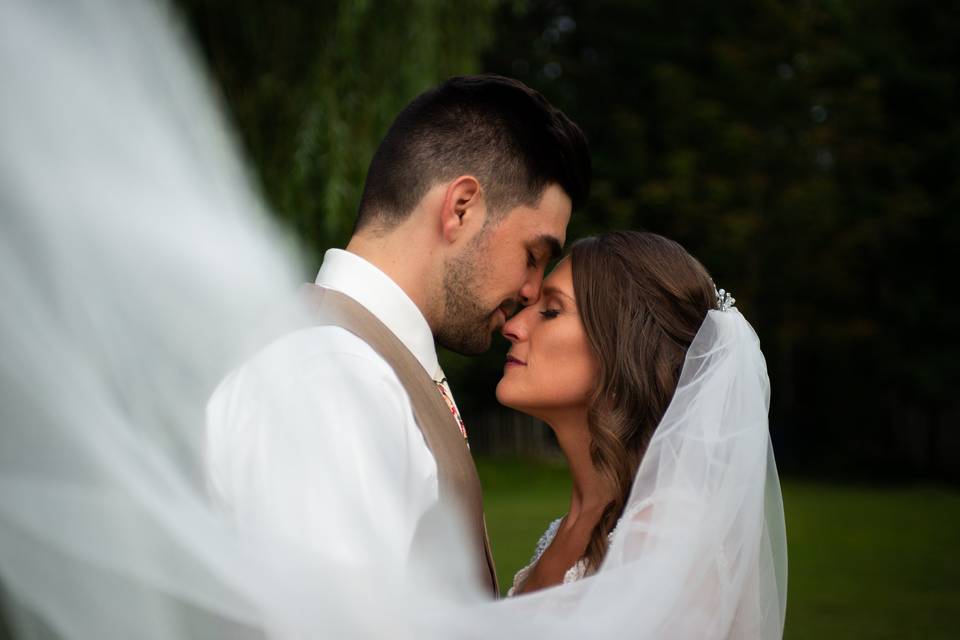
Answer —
550 367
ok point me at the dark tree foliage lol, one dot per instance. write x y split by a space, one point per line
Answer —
808 154
313 86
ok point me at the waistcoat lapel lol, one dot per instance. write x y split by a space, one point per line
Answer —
459 483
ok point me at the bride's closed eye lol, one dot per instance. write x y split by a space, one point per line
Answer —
550 313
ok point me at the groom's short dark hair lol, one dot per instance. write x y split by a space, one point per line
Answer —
495 128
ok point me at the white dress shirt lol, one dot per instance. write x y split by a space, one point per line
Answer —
314 439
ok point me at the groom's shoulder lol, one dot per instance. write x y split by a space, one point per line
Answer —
316 362
317 352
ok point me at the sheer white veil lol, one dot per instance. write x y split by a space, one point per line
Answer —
700 551
134 258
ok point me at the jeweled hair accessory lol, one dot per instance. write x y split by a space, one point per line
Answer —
725 301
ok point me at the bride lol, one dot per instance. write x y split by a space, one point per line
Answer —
133 260
598 359
656 390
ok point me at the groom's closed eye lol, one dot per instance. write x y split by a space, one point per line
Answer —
544 247
552 245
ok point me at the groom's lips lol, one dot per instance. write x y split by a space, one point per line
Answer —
507 309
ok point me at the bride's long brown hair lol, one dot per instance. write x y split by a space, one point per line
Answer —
642 299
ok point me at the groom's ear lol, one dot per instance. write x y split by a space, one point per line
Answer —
462 209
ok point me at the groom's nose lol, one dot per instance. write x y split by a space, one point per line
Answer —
530 291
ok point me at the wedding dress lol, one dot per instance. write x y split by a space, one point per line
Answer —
134 259
576 572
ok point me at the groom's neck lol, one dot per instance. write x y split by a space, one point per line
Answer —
405 257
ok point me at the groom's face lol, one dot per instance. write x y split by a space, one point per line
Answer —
501 268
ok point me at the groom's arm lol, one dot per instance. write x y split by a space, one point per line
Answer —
318 446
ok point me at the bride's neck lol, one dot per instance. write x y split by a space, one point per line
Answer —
589 496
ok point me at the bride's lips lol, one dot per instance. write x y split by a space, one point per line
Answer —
514 362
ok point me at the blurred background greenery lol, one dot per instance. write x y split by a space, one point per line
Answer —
866 562
806 152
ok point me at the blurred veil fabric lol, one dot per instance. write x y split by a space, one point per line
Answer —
134 259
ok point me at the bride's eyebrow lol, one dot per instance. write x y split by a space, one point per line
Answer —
553 291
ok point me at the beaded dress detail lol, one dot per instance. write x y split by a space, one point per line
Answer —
574 573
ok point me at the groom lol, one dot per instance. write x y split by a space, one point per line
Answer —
466 200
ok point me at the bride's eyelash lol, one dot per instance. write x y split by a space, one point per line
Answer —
550 313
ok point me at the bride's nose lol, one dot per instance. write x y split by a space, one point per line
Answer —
515 329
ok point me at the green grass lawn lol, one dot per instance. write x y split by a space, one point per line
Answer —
865 562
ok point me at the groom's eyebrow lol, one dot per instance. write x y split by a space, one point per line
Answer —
553 246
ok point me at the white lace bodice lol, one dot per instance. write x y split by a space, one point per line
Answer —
574 573
521 576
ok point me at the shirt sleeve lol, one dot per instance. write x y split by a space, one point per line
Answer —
315 442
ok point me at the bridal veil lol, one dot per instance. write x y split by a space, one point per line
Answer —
134 258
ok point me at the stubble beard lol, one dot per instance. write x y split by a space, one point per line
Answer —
466 325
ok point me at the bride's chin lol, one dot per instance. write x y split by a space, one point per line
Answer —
501 396
506 398
512 399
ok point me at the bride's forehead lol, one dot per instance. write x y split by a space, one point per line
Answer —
561 276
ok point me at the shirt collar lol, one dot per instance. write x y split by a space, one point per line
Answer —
350 274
